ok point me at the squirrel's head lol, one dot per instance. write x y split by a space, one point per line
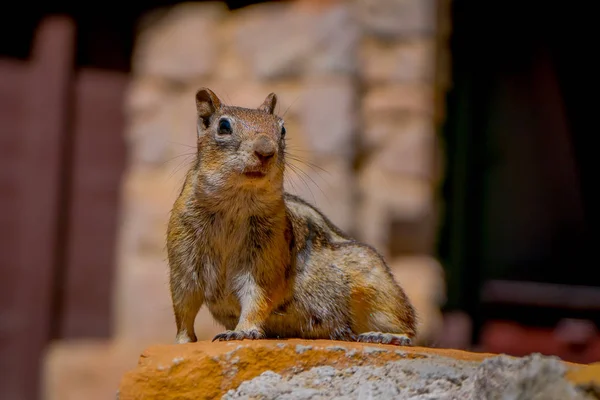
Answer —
239 146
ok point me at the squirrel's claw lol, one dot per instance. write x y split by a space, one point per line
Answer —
239 335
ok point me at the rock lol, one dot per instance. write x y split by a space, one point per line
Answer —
379 130
404 199
148 195
411 60
534 377
280 41
417 234
181 45
400 155
144 95
161 123
328 117
393 98
231 65
337 45
587 378
274 369
148 135
397 18
407 149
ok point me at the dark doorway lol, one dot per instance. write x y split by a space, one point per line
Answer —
520 203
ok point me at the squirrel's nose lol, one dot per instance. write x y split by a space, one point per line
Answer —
264 149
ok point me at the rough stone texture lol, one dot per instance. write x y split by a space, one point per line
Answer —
144 96
532 377
321 369
327 112
391 381
409 60
529 378
380 129
398 18
280 41
180 45
147 200
405 199
413 235
148 137
393 98
409 151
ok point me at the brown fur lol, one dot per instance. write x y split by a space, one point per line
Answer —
266 263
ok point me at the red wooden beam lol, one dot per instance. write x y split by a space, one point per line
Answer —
13 75
47 101
95 180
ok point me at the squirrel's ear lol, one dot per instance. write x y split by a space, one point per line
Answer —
269 104
207 103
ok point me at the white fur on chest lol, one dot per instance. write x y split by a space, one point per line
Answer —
225 258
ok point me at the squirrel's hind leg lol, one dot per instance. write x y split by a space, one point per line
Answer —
381 311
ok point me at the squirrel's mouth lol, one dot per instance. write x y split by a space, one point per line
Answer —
254 174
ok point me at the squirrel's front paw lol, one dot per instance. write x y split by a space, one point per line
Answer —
240 335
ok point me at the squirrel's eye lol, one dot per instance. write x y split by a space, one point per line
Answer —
225 127
282 131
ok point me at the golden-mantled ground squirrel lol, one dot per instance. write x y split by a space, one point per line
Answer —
266 263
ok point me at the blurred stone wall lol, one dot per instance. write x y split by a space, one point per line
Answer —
360 84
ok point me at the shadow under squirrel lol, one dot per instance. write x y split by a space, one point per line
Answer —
266 263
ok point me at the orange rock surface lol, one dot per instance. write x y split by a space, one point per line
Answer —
587 377
207 370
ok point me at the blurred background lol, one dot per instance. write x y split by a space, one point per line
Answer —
453 136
